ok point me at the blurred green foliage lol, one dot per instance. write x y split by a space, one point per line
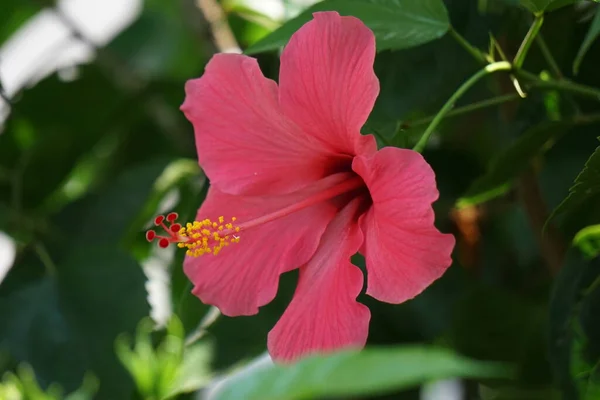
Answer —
86 163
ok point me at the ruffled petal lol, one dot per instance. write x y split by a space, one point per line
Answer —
244 276
404 251
327 83
245 145
324 315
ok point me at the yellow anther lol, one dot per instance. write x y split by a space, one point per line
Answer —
206 236
233 219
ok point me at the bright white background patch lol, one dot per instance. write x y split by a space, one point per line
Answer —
8 251
45 43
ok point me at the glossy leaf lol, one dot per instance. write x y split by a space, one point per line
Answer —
352 373
397 24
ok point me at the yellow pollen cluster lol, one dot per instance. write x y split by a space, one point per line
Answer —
207 237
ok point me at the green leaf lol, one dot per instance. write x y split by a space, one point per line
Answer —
66 322
397 24
591 35
584 193
588 240
509 163
71 127
352 373
195 370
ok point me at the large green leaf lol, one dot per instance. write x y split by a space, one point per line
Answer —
397 24
590 37
509 163
352 373
585 192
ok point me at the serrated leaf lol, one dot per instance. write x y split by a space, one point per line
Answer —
509 163
352 373
585 190
591 35
397 24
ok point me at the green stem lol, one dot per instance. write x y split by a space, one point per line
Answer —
475 52
45 258
562 85
488 69
468 108
533 31
549 58
590 289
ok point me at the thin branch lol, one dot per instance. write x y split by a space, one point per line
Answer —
526 44
217 20
45 258
474 51
548 57
466 109
487 70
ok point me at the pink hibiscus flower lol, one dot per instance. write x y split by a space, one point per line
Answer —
302 188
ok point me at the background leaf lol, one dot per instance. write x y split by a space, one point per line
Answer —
354 373
397 24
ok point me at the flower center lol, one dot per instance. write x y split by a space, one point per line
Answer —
208 237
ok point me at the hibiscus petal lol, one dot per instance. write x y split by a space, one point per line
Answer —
245 145
327 83
244 276
324 315
404 251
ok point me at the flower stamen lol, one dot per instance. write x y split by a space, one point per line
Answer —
198 237
210 237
